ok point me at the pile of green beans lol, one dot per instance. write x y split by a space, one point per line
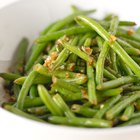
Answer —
80 71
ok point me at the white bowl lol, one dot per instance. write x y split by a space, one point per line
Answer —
28 18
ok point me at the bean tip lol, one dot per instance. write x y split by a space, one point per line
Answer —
109 116
93 102
124 118
75 108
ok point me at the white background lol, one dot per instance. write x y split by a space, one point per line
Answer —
5 2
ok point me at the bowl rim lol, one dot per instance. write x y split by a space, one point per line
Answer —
74 129
63 128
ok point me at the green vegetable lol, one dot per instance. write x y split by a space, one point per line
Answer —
127 113
25 88
21 113
115 110
113 44
63 106
80 71
47 99
91 85
86 122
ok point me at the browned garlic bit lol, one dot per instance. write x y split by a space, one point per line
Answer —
87 50
112 38
84 94
130 32
50 59
71 66
91 61
67 75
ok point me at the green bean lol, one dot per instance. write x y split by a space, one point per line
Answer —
116 109
79 79
107 105
124 43
73 57
127 23
114 25
134 43
35 54
83 110
132 51
137 104
25 88
126 69
117 82
76 51
33 91
99 41
121 69
131 93
131 122
63 106
20 56
134 115
69 95
41 110
100 64
58 34
21 113
117 74
34 102
110 92
120 23
132 88
109 75
47 99
124 33
60 59
40 79
127 113
113 44
136 58
88 42
86 122
113 59
92 97
16 90
8 103
126 86
69 86
9 76
113 29
84 37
